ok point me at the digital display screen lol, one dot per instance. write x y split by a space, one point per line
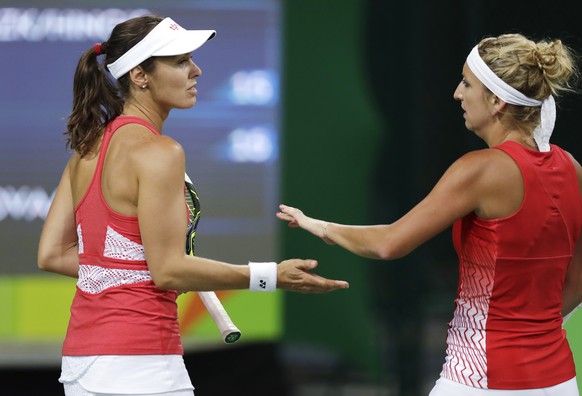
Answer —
230 137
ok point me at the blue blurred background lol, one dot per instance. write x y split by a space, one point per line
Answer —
342 108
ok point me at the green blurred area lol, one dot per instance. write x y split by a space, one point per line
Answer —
330 129
574 333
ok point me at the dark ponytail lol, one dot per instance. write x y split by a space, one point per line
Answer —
97 98
95 103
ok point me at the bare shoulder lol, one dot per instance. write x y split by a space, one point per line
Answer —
73 162
484 164
490 179
153 153
488 157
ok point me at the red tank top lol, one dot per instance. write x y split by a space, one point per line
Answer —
117 309
506 332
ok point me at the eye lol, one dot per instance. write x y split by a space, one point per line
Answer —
185 59
465 82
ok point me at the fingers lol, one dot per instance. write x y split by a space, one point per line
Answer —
288 218
294 275
324 285
318 284
284 208
306 265
289 210
286 213
284 216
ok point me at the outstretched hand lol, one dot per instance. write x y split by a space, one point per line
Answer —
295 218
291 215
294 275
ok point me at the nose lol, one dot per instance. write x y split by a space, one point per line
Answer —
195 70
458 95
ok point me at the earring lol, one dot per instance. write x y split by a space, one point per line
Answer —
144 86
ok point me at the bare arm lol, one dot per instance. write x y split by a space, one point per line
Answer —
57 250
162 218
460 191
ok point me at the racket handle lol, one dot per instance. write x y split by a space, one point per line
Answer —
230 333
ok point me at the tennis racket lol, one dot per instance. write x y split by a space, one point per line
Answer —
230 333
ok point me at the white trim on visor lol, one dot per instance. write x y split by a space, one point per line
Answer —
166 39
508 94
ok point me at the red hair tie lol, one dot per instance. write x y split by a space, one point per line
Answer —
97 48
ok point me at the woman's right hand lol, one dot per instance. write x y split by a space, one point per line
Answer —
295 218
294 275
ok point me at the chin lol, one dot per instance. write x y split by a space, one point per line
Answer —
188 105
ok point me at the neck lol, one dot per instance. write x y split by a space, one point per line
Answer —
516 136
140 110
500 131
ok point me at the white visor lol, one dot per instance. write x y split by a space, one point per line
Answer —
166 39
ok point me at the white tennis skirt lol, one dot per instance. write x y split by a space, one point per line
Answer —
136 375
75 389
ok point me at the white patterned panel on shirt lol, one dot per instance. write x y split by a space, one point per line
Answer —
94 279
466 360
80 239
119 247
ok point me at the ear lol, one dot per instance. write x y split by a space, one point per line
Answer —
496 105
138 77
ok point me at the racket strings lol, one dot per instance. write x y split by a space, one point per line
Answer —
193 203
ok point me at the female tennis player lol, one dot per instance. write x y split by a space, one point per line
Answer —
516 211
119 218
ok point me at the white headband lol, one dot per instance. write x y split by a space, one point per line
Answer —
508 94
166 39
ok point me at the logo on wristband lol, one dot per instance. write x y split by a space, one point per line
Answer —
263 276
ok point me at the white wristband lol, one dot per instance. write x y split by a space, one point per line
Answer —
263 277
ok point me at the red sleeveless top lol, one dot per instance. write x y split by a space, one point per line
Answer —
117 308
506 332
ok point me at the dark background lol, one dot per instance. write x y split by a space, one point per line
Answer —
369 125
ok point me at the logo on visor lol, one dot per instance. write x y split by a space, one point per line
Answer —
174 26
